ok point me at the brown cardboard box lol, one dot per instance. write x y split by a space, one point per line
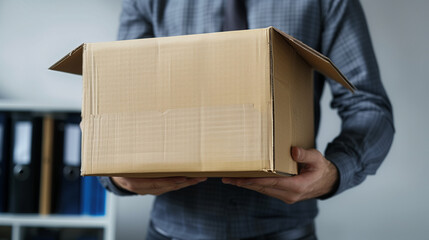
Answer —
217 104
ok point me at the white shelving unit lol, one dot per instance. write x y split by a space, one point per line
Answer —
14 226
17 222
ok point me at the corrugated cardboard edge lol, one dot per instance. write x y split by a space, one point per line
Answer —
70 63
318 61
272 158
281 59
262 173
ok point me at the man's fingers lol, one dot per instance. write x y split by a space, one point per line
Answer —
156 186
317 177
301 155
285 196
139 184
175 187
288 189
167 183
281 183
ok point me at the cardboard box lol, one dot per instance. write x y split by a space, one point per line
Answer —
217 104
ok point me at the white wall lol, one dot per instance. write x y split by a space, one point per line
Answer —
35 34
390 205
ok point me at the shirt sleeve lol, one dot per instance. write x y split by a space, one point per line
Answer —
108 184
367 123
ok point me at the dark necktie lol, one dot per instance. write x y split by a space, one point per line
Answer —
235 16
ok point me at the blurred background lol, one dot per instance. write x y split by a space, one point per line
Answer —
393 204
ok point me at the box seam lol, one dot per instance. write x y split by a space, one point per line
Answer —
270 43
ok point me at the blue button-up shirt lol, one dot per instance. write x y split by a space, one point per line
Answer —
337 29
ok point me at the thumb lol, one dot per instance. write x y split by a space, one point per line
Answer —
310 156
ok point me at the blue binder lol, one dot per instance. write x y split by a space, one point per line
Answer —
4 159
93 197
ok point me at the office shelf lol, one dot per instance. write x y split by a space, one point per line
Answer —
66 227
14 226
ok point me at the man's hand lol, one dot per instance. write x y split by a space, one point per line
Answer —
155 186
317 177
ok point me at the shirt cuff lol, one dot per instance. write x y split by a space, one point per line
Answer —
346 171
112 187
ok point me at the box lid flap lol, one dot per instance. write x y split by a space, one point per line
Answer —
318 61
71 63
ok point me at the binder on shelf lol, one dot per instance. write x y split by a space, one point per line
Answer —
67 169
93 199
4 159
46 167
100 207
25 164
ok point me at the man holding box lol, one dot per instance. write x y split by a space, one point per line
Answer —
270 208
